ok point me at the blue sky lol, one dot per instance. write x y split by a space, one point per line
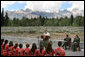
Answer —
65 5
42 5
15 6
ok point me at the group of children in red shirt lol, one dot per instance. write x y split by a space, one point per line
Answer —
18 50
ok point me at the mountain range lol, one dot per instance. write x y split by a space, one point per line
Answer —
34 14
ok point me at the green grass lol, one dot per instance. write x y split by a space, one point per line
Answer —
21 32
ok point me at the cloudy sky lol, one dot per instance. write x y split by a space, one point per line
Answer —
42 5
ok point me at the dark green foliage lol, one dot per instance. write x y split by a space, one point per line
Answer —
72 19
6 20
41 21
2 17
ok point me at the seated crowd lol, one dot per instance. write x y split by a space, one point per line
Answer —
9 49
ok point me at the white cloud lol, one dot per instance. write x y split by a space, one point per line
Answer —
6 3
44 5
76 4
21 1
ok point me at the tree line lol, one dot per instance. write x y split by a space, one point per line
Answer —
41 21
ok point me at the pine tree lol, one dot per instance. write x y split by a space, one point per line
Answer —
72 19
6 19
2 17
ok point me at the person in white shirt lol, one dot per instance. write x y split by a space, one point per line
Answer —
46 33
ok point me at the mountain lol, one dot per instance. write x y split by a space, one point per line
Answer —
34 14
21 13
65 12
77 12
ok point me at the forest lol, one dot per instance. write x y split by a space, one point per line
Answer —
41 21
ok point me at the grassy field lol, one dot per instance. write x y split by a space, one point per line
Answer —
33 32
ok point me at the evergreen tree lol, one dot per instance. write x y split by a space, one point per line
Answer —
2 17
6 19
72 19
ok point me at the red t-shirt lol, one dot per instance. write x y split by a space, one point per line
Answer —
59 52
21 52
52 53
10 51
49 53
2 49
43 53
27 52
15 52
37 52
5 52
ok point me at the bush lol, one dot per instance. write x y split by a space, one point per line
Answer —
32 31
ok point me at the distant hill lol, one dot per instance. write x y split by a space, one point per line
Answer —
34 14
